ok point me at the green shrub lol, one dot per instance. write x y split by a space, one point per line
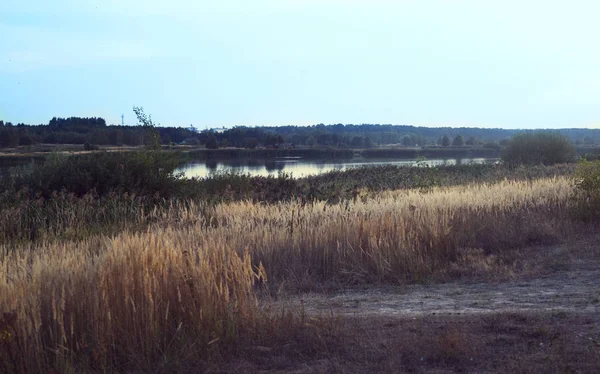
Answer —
140 173
534 148
587 189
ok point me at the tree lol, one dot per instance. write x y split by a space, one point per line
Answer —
8 138
251 143
357 141
132 138
538 148
51 138
445 141
458 141
211 142
273 139
151 137
416 139
4 138
471 141
406 141
25 140
115 137
99 137
165 138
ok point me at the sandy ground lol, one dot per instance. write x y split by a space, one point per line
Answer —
545 319
573 288
576 290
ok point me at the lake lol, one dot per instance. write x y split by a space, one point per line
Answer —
298 167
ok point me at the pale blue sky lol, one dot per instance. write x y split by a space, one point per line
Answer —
525 64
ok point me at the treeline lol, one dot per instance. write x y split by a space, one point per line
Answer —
343 136
368 136
77 130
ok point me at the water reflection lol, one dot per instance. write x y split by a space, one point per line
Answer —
212 165
275 166
301 168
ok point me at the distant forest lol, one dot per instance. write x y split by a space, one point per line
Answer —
94 131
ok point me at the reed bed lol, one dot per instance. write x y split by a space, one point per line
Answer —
188 283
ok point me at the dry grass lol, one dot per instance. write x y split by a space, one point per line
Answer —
186 285
134 300
391 236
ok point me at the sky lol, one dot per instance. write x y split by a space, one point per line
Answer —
510 64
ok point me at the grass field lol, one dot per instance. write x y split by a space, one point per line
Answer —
191 286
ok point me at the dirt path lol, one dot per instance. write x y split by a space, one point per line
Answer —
574 290
545 319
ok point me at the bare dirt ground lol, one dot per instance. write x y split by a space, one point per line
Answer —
545 319
574 290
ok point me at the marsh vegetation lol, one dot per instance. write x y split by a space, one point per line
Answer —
110 262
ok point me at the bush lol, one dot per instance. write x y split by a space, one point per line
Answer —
587 189
90 147
492 145
140 173
534 148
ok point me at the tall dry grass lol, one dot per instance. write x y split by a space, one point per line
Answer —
130 301
187 283
393 235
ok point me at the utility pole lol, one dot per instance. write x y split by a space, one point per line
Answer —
122 120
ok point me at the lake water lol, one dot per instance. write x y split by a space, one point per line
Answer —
299 167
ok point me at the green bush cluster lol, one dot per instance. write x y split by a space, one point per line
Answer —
541 147
140 173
